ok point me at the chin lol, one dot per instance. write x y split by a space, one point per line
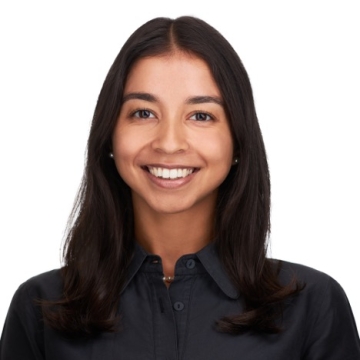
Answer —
170 209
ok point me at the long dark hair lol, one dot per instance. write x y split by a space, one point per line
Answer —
100 240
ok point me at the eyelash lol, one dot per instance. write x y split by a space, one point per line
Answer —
136 114
211 117
133 114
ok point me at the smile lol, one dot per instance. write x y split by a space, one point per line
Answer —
165 173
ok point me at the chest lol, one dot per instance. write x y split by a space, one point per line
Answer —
176 323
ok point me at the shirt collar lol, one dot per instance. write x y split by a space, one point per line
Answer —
208 257
138 258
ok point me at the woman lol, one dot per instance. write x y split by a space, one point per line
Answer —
166 254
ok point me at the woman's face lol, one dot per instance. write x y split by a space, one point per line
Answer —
172 143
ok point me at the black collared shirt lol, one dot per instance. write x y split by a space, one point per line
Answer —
178 322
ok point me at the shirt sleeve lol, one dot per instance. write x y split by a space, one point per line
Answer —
333 335
23 332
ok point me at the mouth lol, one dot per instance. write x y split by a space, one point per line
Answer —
172 174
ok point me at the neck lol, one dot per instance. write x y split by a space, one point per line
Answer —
173 235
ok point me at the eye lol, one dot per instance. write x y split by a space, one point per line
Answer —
201 116
143 114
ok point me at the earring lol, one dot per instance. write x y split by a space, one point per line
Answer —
235 161
111 155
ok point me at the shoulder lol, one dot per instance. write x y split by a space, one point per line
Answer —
47 286
322 312
303 271
25 312
322 298
310 277
319 287
23 332
313 279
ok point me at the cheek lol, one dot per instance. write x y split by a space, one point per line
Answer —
124 149
217 148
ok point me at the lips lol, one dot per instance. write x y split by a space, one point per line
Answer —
166 173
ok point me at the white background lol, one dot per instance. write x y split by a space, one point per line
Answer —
303 60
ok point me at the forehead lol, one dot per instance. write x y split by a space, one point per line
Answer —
180 72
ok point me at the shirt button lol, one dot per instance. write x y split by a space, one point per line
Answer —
190 264
178 306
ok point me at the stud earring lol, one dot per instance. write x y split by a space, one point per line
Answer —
235 161
111 155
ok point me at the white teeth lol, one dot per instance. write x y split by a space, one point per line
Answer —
173 174
170 173
165 173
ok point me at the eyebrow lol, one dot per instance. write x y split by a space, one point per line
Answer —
190 101
139 96
204 99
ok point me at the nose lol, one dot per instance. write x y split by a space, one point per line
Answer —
170 137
